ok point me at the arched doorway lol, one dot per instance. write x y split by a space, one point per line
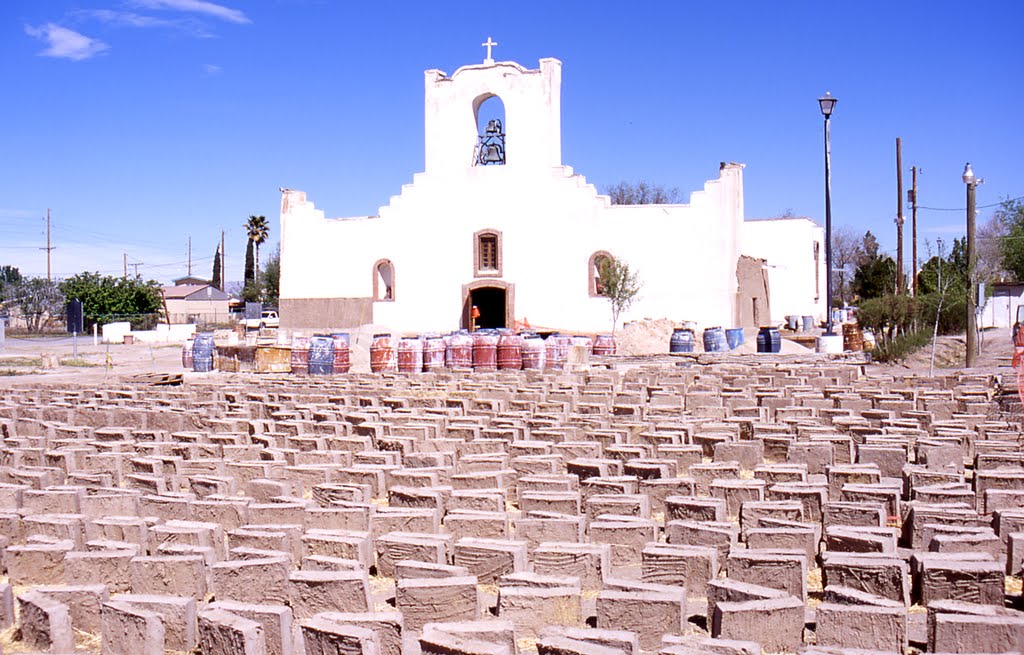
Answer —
494 298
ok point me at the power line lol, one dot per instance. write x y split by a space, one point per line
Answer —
963 209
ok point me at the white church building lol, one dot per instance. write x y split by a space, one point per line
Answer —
496 221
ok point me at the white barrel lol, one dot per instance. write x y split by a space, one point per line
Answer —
830 344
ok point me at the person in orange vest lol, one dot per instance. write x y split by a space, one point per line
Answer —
474 313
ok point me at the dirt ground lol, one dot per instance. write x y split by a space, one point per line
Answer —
27 360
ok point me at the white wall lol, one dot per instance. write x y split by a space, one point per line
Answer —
797 287
1000 309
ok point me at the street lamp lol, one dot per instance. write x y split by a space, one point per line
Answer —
827 104
972 328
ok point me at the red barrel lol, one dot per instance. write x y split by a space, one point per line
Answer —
410 355
458 351
533 352
433 353
485 351
300 355
557 351
341 352
604 344
186 355
382 354
510 352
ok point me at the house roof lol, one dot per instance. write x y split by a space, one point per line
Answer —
193 292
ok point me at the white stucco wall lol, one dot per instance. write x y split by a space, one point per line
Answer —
797 282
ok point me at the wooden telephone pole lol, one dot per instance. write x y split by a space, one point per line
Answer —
223 264
899 216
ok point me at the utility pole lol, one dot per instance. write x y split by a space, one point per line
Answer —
913 222
972 330
137 265
48 247
190 256
899 217
126 266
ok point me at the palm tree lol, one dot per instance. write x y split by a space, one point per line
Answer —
258 230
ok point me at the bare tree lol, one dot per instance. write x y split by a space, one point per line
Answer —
642 193
990 257
846 255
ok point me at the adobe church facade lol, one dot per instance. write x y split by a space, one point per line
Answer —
496 221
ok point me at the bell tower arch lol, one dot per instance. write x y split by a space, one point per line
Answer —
532 109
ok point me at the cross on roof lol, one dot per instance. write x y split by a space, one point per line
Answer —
489 44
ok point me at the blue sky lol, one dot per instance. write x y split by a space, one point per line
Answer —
140 123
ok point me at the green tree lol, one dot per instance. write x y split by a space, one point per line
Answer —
36 298
217 281
619 285
1011 246
9 275
272 278
258 230
875 275
106 298
642 193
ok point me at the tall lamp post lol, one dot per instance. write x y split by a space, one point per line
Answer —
972 299
827 104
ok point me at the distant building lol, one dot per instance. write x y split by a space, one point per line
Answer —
201 304
497 222
190 279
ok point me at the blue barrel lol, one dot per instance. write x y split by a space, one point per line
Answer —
682 341
321 355
202 353
793 323
734 337
769 340
808 323
714 340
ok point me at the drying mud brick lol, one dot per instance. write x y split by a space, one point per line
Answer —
44 623
313 592
650 614
386 627
423 601
83 602
177 613
275 620
684 566
784 571
777 624
882 629
130 631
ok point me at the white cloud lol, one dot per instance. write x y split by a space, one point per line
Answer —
211 69
197 6
64 43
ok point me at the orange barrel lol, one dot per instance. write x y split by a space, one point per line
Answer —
382 354
533 352
510 352
458 352
485 351
557 351
853 338
186 355
300 354
584 341
410 354
433 353
604 344
342 363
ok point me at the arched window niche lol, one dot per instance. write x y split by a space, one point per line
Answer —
597 260
383 281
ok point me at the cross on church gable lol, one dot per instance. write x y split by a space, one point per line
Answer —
489 44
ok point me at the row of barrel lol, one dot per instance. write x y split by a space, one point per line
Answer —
484 350
718 340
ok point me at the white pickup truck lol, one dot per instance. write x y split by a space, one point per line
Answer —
267 319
